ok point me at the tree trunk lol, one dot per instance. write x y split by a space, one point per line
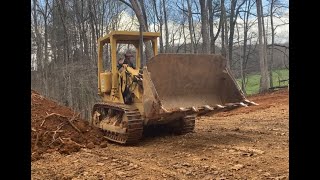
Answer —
204 27
224 33
272 42
160 20
190 22
211 14
166 25
264 81
37 37
143 10
144 28
231 30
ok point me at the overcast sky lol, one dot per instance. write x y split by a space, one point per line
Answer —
282 31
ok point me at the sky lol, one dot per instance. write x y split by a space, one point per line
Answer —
281 32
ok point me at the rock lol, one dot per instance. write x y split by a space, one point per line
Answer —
257 151
121 174
135 166
183 171
100 164
104 144
237 167
231 151
188 173
113 164
247 154
260 170
221 178
131 164
266 174
282 134
203 159
90 145
186 164
280 177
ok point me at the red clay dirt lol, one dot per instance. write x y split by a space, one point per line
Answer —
51 130
245 143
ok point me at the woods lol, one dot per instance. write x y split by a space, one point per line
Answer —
252 34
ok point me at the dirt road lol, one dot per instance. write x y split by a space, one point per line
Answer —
246 143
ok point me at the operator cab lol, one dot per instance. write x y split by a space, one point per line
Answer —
107 80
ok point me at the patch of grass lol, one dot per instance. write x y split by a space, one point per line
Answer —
253 83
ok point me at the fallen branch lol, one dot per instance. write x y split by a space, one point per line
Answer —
55 132
74 126
61 140
42 122
54 114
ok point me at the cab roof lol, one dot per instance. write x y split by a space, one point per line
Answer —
128 37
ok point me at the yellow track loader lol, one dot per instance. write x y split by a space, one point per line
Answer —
170 89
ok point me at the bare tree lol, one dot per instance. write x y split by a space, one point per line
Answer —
246 27
191 31
160 21
213 37
234 12
264 81
224 32
166 24
204 27
135 5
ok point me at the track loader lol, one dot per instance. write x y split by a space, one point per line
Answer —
170 89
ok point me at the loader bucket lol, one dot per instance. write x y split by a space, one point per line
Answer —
189 82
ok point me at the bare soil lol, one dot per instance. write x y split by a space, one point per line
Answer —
246 143
52 131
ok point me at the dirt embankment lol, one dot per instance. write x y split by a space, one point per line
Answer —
58 128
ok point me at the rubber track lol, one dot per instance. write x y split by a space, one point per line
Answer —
134 126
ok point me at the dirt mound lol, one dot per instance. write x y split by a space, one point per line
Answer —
264 101
59 128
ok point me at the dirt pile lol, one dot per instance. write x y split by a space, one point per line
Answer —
59 128
264 101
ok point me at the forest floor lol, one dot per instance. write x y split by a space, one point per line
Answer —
246 143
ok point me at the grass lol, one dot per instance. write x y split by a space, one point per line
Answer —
253 83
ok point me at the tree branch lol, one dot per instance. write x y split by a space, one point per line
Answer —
279 45
280 25
126 3
185 11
